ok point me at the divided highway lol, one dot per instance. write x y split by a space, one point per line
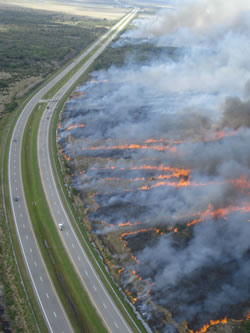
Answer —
51 307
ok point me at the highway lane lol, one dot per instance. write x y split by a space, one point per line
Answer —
51 307
100 298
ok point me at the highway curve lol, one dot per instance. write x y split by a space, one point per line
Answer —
48 300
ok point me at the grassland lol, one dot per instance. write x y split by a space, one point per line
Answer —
34 44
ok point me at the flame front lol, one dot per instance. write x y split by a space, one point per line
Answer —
75 126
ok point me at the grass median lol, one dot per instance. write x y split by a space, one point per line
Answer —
81 313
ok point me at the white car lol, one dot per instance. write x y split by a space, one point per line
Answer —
60 226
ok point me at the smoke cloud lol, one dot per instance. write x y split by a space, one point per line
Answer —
164 145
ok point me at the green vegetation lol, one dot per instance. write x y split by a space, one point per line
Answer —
69 288
35 43
21 310
9 107
244 327
133 54
27 43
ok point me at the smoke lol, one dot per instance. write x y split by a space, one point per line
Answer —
200 18
164 143
218 248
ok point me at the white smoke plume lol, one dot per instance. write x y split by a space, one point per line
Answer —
194 17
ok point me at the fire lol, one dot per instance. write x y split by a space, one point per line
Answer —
120 271
126 224
175 142
75 126
219 213
175 171
242 183
131 146
67 158
112 179
216 136
134 232
135 274
181 183
248 316
212 323
134 300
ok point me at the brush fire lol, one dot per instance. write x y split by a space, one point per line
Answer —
158 150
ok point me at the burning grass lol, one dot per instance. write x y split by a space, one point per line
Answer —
166 190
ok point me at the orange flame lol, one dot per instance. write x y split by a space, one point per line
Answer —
212 323
176 142
130 146
134 300
219 213
120 271
134 232
75 126
126 224
67 158
242 183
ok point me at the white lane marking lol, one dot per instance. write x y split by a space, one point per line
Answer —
23 226
67 233
47 295
19 206
14 168
21 215
86 273
73 245
41 278
79 258
104 305
55 315
30 247
94 287
16 188
35 263
15 180
116 325
58 212
27 237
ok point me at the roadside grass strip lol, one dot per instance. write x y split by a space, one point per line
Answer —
75 300
32 313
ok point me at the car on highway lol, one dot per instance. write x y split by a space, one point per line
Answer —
61 226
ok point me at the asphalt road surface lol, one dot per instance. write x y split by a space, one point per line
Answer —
51 307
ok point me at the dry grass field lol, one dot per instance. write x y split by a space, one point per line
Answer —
110 9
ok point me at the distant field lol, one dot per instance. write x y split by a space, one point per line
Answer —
97 9
35 43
